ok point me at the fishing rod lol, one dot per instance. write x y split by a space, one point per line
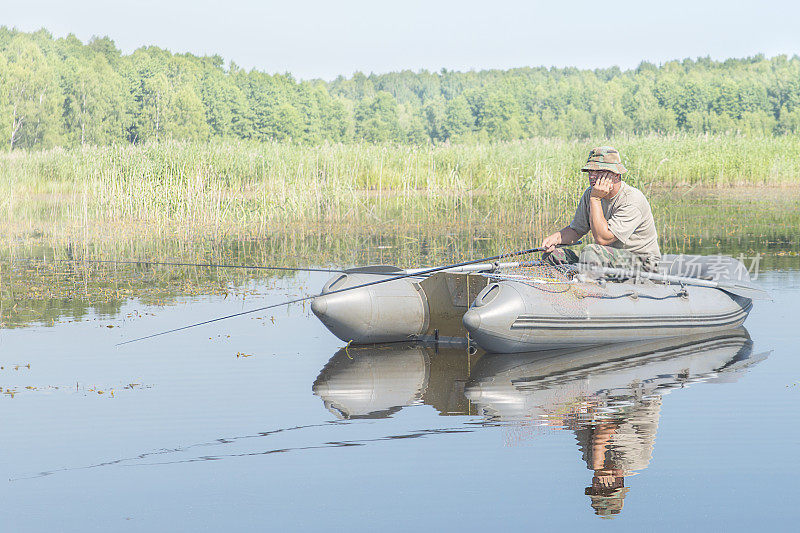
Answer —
374 269
360 286
208 265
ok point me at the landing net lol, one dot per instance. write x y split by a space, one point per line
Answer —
569 294
551 278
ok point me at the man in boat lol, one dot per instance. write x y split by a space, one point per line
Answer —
617 214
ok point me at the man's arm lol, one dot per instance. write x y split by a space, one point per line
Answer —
574 231
566 235
597 220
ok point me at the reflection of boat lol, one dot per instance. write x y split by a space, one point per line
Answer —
378 380
509 386
533 313
610 396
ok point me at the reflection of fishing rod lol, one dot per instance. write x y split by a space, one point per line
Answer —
224 441
402 275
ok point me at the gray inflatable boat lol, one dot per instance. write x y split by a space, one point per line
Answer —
518 315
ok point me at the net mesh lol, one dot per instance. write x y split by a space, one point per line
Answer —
568 294
547 277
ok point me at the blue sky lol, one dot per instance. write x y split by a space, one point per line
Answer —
326 38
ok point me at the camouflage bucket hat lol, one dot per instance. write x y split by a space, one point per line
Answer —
604 158
607 503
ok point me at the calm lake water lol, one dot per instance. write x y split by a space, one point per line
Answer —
265 422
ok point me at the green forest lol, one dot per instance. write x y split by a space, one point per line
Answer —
64 92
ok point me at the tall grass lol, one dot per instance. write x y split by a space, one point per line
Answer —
241 189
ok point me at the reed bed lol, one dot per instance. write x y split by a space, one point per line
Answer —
224 188
114 199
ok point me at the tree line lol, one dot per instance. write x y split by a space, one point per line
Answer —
63 92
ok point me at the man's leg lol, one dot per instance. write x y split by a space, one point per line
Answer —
560 256
650 264
596 256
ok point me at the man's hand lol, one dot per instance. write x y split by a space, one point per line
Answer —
602 187
551 241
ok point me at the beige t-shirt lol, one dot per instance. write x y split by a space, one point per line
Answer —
629 219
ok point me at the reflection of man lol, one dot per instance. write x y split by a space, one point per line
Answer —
617 214
615 446
608 483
